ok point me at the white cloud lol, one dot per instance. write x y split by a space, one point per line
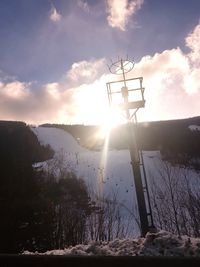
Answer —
53 90
193 42
191 81
54 102
120 11
172 82
83 5
171 79
14 90
54 15
86 71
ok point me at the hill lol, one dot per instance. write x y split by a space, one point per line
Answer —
30 198
174 139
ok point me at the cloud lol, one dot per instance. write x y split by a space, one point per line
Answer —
171 79
119 12
19 101
193 42
14 90
56 102
54 15
86 71
4 77
172 82
83 5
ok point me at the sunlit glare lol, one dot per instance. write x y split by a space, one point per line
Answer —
112 118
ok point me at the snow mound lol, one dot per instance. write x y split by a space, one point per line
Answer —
154 244
194 128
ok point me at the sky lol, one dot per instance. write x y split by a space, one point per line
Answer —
54 56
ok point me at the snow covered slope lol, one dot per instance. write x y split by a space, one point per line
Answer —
57 138
108 175
105 172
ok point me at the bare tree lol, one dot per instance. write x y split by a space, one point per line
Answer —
175 200
166 197
191 204
110 219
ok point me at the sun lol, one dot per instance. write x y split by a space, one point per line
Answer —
111 119
91 107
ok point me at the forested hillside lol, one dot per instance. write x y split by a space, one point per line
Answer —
18 185
36 209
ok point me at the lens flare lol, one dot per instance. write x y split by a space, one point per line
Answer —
112 119
102 164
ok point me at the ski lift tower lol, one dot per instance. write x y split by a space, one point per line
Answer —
128 95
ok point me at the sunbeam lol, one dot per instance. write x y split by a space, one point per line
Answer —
103 163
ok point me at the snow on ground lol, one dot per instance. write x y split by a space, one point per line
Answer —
194 128
103 175
111 175
57 138
154 244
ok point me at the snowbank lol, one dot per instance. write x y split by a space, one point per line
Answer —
155 244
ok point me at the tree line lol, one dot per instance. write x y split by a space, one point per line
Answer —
176 142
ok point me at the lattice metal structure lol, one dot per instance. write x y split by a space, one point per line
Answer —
128 95
136 93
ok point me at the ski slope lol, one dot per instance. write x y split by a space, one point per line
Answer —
111 173
106 173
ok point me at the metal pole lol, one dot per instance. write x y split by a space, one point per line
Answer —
147 192
151 223
135 162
